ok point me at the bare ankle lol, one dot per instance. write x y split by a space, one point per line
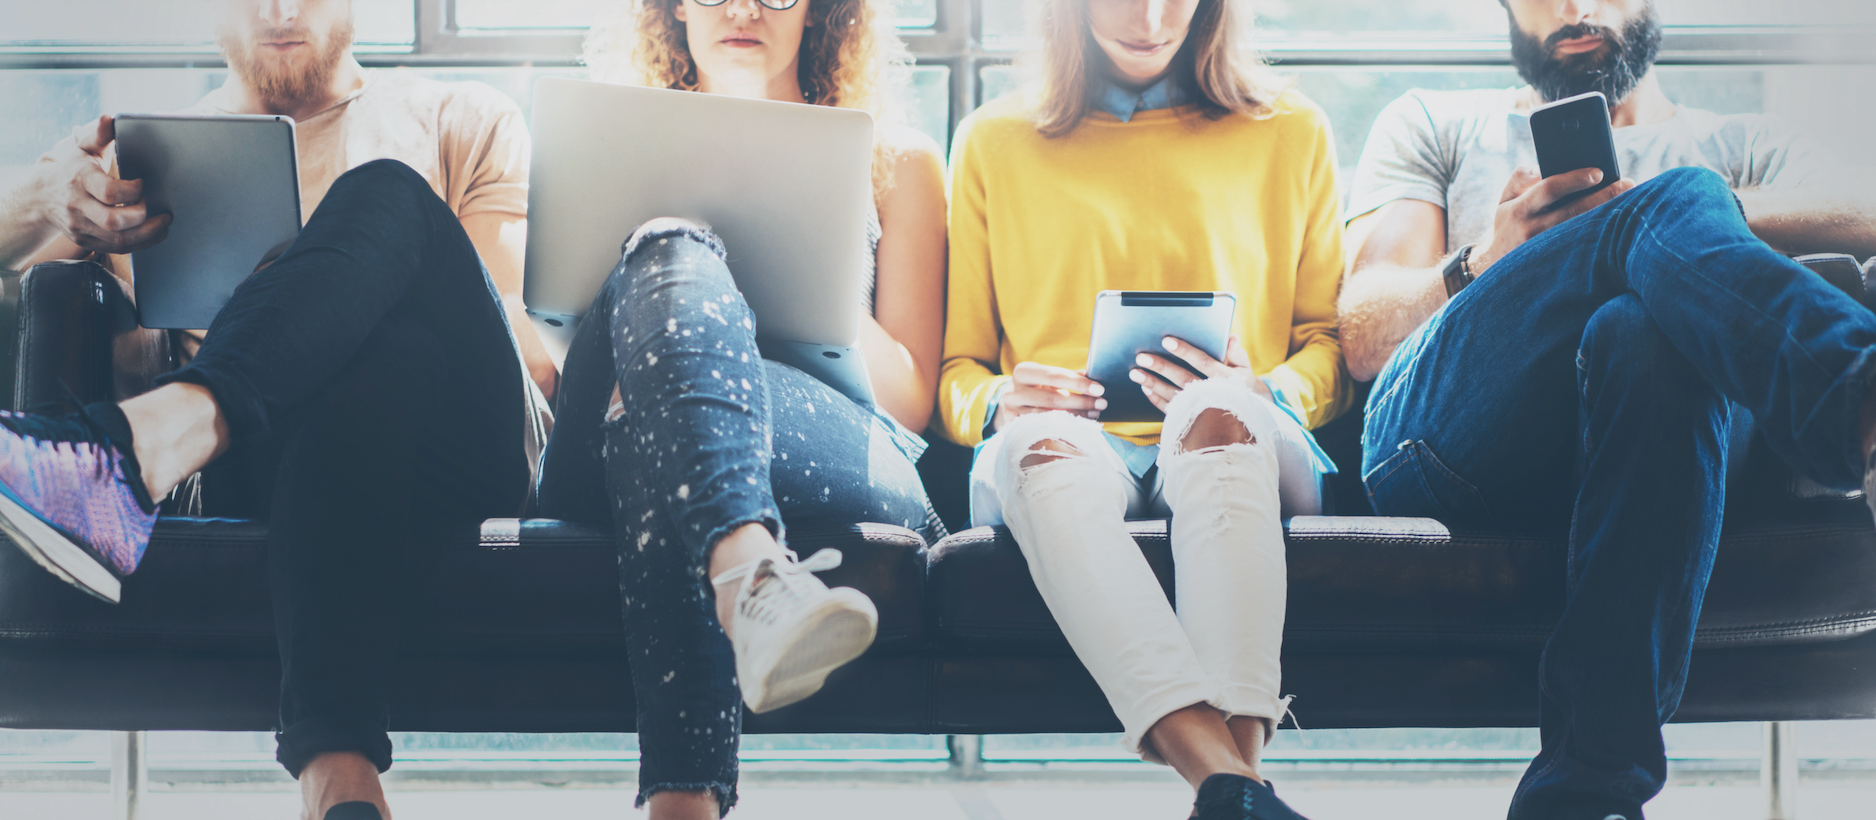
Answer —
340 777
749 542
176 430
673 805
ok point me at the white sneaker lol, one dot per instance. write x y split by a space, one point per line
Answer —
789 630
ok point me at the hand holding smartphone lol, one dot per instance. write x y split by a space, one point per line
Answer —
1572 134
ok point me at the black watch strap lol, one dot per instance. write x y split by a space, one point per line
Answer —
1455 271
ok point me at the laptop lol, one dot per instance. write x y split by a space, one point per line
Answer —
787 187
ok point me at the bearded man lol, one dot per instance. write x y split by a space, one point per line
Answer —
366 392
1591 365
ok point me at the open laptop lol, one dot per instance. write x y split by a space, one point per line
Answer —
787 187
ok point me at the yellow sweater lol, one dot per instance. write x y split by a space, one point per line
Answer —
1170 201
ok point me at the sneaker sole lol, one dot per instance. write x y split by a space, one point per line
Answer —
829 638
51 549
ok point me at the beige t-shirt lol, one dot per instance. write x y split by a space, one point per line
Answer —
468 139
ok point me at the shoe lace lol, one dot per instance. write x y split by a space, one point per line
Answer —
785 585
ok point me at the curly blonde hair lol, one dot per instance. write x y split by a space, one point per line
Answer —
851 57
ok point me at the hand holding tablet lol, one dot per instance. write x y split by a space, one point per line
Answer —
1129 347
1175 372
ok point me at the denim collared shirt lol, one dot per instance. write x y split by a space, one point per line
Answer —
1123 104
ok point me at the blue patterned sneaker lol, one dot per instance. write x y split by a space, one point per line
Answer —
65 498
1236 797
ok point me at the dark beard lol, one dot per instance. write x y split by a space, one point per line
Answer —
285 85
1614 70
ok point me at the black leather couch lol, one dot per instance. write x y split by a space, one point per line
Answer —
1392 622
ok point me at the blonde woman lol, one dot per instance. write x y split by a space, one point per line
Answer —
674 429
1154 156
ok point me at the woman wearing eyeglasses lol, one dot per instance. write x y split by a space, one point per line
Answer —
672 427
1155 155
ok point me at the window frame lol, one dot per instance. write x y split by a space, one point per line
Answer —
955 40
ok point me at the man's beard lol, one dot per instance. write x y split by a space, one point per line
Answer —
1614 70
284 83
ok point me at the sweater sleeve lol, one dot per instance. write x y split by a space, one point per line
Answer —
1315 375
968 380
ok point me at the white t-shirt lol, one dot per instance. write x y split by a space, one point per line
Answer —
1457 149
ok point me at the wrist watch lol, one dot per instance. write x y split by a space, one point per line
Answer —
1457 273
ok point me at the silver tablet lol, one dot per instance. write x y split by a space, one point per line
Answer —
1130 322
233 184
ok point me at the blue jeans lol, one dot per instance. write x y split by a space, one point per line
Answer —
712 438
1590 380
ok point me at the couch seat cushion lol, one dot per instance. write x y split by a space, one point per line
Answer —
1381 584
525 587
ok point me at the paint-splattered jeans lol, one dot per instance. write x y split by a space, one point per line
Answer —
711 438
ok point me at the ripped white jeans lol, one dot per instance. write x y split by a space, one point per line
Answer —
1227 506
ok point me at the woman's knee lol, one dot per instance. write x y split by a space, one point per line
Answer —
1038 440
1215 413
667 231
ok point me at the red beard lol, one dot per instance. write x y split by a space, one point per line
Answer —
284 81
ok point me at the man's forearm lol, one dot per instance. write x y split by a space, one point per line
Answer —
1380 308
1834 218
23 230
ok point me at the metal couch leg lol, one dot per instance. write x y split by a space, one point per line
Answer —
967 755
1778 772
130 773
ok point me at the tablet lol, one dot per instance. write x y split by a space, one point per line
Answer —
233 185
1130 322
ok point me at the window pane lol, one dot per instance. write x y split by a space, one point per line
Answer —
578 14
1444 16
1761 13
994 81
169 25
926 102
1471 17
1004 22
1005 25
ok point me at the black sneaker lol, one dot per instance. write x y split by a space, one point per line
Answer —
1236 797
354 811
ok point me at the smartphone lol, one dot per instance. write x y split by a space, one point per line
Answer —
1573 134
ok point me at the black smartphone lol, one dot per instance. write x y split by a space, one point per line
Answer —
1573 134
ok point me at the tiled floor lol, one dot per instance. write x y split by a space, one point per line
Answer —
1084 801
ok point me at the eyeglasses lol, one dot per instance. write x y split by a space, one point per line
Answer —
772 5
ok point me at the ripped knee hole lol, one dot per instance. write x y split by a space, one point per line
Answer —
1215 429
1048 451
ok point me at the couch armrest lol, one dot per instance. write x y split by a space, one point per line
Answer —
9 333
1842 270
78 338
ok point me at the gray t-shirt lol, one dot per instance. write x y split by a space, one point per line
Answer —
1457 149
